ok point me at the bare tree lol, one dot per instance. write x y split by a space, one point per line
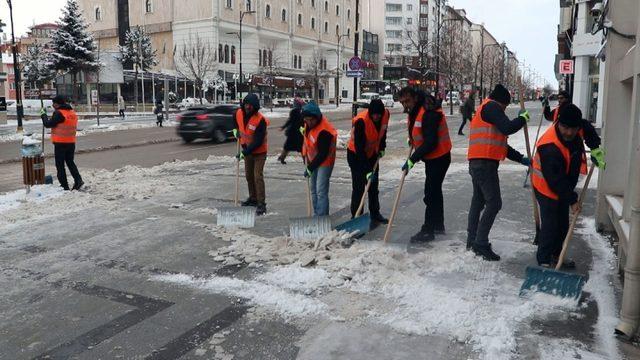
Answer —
271 63
316 70
196 61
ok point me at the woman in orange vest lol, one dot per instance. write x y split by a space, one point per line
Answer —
252 129
558 163
63 124
319 152
488 146
366 145
429 136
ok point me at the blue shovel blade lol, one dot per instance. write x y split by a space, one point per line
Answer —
359 225
552 282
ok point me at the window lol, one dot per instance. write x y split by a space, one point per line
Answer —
326 27
393 7
264 57
284 15
299 19
295 61
337 10
409 7
348 14
299 62
424 9
313 3
267 11
423 22
394 34
259 57
98 14
348 32
270 58
248 5
393 20
326 6
230 4
337 30
226 54
409 21
148 6
313 23
233 54
220 53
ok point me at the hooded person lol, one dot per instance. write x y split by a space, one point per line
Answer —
429 138
367 144
291 128
252 132
63 124
557 165
319 154
488 146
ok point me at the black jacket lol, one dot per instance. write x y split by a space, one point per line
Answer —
56 117
492 113
258 135
294 122
360 142
430 125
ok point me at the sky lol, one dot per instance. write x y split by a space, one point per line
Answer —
527 26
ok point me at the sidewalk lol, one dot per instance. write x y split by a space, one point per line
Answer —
151 232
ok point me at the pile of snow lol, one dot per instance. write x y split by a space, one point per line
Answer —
37 195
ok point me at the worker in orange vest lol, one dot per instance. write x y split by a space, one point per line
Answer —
552 115
429 137
63 124
488 146
366 145
319 153
252 132
557 165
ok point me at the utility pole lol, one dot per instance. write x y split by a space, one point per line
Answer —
16 71
504 59
438 49
354 108
98 88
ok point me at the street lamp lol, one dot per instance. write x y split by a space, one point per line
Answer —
239 34
16 71
337 50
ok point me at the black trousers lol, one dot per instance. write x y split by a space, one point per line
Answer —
554 216
435 171
464 122
486 201
64 154
359 183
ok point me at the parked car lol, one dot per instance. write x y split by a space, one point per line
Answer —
207 122
387 100
367 97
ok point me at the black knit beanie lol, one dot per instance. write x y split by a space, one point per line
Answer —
501 95
376 107
570 115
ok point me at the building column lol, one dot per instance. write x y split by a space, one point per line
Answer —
582 84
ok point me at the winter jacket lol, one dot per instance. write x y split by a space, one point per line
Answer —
258 135
430 125
468 108
294 123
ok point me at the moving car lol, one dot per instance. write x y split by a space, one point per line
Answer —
207 122
387 100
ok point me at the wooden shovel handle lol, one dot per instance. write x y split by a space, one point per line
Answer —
235 198
536 211
366 189
574 219
396 202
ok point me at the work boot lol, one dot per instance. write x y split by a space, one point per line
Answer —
281 160
379 219
439 230
78 185
469 243
422 236
460 133
261 209
249 202
486 252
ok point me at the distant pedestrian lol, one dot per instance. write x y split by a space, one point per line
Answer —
319 151
121 107
291 129
63 124
159 115
252 130
467 110
552 115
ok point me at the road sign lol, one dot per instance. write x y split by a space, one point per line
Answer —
94 97
355 73
566 67
355 63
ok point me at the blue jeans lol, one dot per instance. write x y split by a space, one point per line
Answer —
320 180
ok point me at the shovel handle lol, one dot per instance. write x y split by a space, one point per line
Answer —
396 202
235 198
574 219
309 213
536 211
366 189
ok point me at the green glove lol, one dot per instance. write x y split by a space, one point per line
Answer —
381 154
307 172
235 133
369 175
240 156
524 114
597 156
408 165
43 112
301 130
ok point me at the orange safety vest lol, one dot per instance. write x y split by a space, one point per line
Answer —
310 145
65 132
246 133
444 141
539 182
485 140
374 137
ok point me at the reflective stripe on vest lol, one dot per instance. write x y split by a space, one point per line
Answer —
310 144
485 140
444 141
65 132
246 133
373 136
539 182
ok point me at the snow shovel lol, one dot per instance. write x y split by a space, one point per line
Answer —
237 216
396 202
554 281
360 224
310 227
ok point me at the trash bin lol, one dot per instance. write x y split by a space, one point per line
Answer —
32 162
